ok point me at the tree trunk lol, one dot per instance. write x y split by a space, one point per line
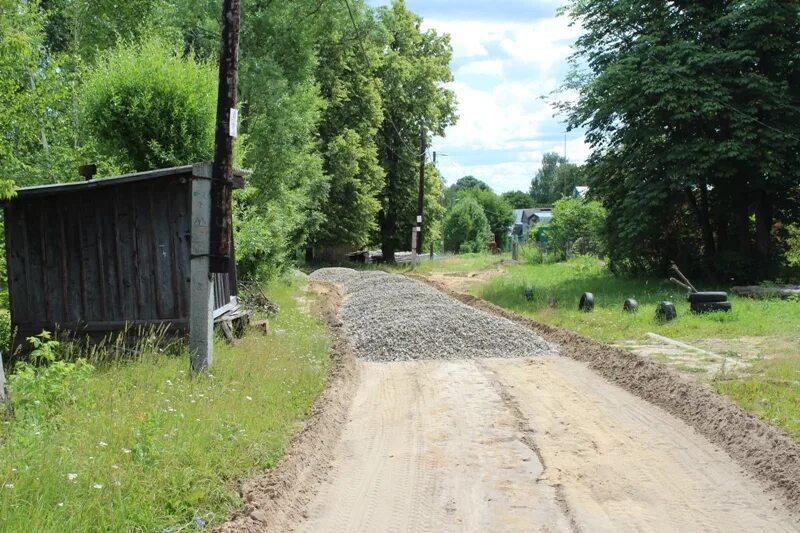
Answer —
703 214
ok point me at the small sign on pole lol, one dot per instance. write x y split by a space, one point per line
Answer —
234 122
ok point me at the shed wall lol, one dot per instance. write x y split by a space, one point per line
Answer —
97 259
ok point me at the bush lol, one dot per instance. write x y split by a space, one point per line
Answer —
150 106
577 227
793 246
466 228
37 388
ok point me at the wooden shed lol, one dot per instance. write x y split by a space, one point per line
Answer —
99 255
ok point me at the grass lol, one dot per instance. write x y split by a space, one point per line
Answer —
770 388
463 263
568 280
146 447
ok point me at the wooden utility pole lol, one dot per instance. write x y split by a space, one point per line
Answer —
226 131
421 196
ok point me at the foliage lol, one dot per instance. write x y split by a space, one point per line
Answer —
150 106
689 111
48 383
414 67
793 245
555 179
350 121
467 183
498 212
466 228
151 448
518 199
577 226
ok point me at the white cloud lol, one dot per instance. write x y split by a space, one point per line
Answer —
505 126
493 67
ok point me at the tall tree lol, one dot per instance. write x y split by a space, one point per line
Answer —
518 199
556 178
691 109
414 67
349 53
463 184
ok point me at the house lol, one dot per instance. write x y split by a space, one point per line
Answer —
98 256
525 219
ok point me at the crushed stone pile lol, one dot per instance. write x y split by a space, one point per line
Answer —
394 318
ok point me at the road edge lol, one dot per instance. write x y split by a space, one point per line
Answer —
764 451
275 500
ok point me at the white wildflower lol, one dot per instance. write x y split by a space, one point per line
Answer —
72 477
97 486
103 444
249 398
126 450
9 485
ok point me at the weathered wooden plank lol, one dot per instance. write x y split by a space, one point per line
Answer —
100 213
141 304
60 211
49 304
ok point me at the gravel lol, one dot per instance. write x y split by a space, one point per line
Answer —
394 318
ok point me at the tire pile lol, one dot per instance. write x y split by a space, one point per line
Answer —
394 318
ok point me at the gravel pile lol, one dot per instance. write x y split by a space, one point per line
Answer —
394 318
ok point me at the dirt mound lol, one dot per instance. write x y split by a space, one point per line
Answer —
763 450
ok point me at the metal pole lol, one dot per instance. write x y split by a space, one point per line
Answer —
226 131
421 197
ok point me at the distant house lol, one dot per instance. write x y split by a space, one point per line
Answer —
580 191
525 219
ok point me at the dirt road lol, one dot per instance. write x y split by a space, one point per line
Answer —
540 444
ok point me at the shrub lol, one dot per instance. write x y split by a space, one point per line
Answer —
793 246
150 106
577 227
466 228
46 382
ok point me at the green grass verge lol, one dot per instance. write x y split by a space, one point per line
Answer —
150 448
463 263
567 281
771 388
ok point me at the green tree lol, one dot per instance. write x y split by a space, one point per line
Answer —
452 192
498 212
577 226
556 178
151 107
691 110
465 227
348 130
414 67
518 199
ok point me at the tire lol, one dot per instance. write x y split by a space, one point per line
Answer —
587 302
528 294
666 312
630 306
708 297
710 307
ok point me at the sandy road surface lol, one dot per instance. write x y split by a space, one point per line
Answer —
539 444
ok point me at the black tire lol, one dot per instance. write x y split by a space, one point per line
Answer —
665 311
710 307
707 297
528 294
630 306
587 302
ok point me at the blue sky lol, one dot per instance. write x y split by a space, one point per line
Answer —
508 55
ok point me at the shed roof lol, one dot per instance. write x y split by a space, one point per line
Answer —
38 191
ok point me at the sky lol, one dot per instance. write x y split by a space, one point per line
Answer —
508 55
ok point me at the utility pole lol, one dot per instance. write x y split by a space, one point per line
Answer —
421 198
211 199
226 131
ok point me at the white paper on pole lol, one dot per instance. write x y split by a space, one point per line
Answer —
234 122
419 219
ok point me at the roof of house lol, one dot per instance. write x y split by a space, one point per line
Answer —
537 214
86 185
